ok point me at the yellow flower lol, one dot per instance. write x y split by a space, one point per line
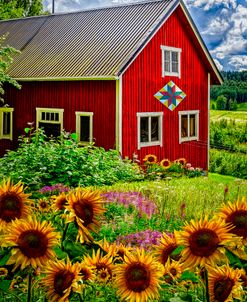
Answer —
182 161
236 214
84 207
61 279
172 271
164 250
204 242
44 205
138 278
223 284
116 250
165 163
60 201
32 242
3 272
150 159
13 203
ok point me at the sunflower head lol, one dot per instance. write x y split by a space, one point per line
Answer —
223 283
204 242
150 159
84 207
86 273
164 251
236 214
32 242
181 161
138 278
172 271
13 202
3 272
60 202
43 205
61 278
165 163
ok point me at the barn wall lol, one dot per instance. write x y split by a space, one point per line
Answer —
144 78
96 96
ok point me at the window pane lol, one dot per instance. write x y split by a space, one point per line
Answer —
167 66
167 55
174 56
85 128
192 125
47 116
51 129
6 123
52 116
56 117
154 128
43 116
184 125
174 67
144 129
167 60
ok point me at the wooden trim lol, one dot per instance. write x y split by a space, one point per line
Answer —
209 81
170 49
39 110
78 126
95 78
10 135
119 115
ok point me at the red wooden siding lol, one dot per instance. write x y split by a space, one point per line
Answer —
98 97
144 78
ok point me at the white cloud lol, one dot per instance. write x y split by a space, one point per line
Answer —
239 62
235 41
219 66
217 26
208 4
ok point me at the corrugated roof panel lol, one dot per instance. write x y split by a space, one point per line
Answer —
88 43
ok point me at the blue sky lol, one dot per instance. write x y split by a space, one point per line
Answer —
222 24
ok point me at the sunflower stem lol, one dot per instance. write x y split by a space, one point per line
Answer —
206 285
80 298
64 235
29 288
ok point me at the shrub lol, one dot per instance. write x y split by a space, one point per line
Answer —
38 162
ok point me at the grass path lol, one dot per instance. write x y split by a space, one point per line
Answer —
238 116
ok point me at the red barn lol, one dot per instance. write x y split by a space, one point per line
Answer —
135 77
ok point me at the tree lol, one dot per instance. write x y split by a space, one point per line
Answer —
10 9
6 54
221 102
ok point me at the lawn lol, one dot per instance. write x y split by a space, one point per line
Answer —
238 116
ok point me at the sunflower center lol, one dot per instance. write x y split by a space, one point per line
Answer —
43 204
61 203
137 278
167 252
150 159
239 220
84 210
222 289
173 271
10 207
33 243
203 242
63 280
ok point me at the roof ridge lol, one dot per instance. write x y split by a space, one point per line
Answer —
135 2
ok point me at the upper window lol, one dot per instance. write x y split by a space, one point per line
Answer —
149 129
51 120
6 123
188 125
171 58
84 126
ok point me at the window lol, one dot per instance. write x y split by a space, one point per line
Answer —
188 125
84 126
149 129
171 61
6 123
51 120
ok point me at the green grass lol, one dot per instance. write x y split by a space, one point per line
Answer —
242 107
203 195
238 116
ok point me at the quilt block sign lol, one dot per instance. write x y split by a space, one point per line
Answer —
170 95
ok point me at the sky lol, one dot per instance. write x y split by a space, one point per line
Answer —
222 24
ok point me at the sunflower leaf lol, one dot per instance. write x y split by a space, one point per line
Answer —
187 275
60 254
5 284
4 259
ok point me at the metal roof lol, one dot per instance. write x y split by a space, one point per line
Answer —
90 43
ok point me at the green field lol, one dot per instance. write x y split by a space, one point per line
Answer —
242 107
238 116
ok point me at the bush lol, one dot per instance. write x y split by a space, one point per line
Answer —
221 102
227 163
38 162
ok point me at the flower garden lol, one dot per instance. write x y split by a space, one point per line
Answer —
110 239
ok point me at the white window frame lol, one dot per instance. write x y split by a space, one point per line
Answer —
10 135
78 125
171 49
188 113
149 143
39 112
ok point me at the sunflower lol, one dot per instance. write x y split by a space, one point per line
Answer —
61 279
32 242
165 163
236 214
99 263
103 276
3 272
138 278
167 246
150 159
173 271
43 205
223 284
86 273
204 241
182 161
84 207
60 201
13 203
116 250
